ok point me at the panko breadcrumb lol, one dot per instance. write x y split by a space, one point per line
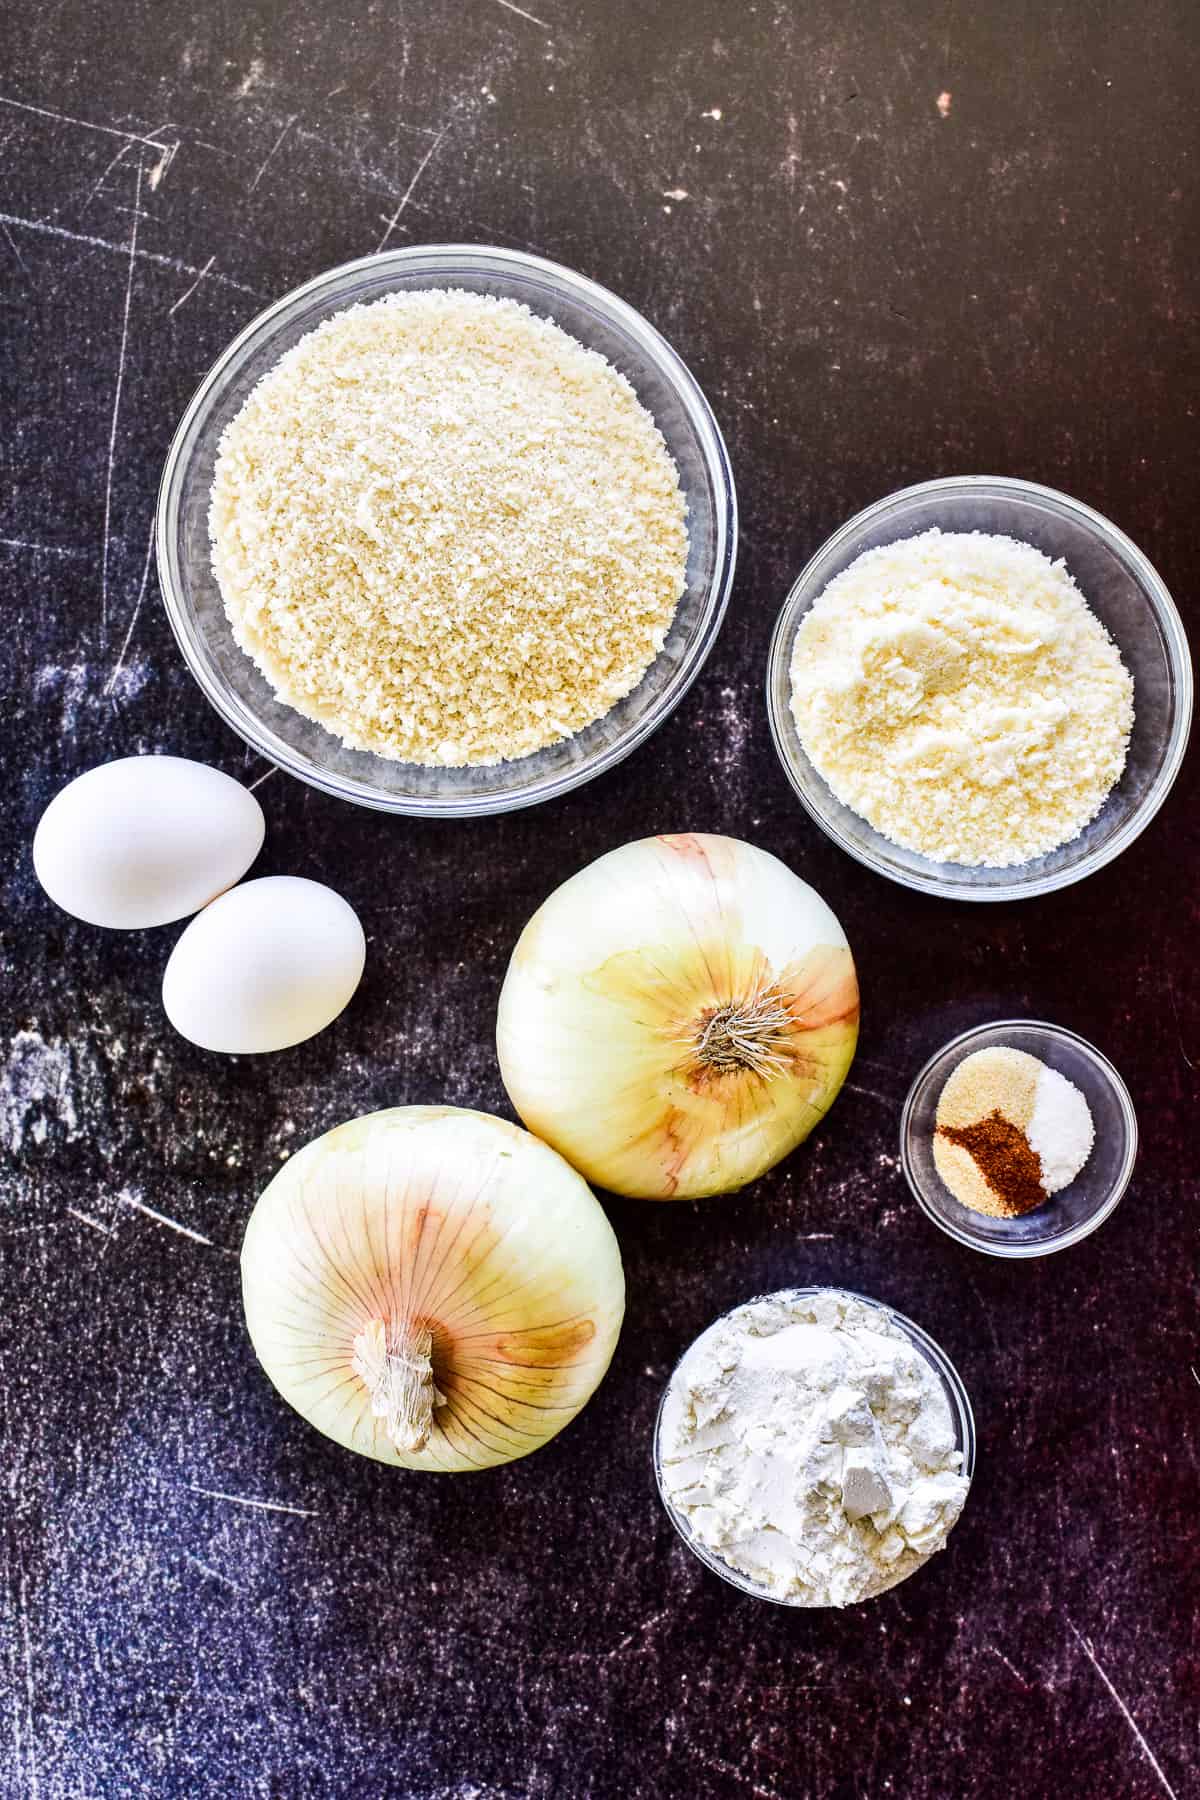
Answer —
447 531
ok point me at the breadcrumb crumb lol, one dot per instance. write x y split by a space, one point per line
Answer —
447 531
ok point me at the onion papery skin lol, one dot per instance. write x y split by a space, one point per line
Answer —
626 977
457 1225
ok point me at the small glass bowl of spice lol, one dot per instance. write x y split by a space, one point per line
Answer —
1018 1138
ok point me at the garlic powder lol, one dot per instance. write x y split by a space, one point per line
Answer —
447 531
809 1444
955 690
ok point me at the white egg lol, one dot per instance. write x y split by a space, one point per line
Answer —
267 965
145 840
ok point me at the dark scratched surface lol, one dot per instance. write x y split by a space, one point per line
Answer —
893 241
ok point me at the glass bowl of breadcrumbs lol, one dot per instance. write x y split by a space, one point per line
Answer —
449 530
983 535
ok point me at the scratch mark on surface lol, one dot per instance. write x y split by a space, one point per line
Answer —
215 1574
792 159
133 617
38 549
44 112
87 1219
522 14
1178 1022
100 180
273 770
1147 1752
17 1750
263 166
1195 1376
187 294
99 243
408 192
162 165
868 1093
1011 1667
641 1633
301 1512
116 407
14 247
744 1781
987 1317
30 1690
162 1219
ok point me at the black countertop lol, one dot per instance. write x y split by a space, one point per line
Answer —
892 242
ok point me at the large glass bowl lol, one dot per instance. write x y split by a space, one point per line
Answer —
935 1356
1121 588
242 695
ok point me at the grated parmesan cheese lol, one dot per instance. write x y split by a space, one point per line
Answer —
447 531
956 691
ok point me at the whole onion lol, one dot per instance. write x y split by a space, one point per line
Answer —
678 1016
432 1287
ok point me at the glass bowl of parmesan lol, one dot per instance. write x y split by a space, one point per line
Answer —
980 688
448 531
1018 1138
814 1447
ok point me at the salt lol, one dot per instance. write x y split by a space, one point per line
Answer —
1060 1129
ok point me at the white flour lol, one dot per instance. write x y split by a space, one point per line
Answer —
811 1446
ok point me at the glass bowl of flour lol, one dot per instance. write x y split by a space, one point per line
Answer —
1121 590
814 1447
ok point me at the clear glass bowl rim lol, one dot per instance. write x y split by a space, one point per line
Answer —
439 260
956 1393
1177 651
1023 1251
